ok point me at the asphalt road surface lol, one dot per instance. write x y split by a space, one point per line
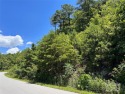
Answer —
11 86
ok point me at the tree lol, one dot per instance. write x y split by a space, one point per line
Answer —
118 43
67 10
85 4
62 18
96 41
54 52
83 15
56 19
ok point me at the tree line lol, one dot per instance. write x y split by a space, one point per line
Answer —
85 51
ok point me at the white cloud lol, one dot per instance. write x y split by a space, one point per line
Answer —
29 43
12 50
10 41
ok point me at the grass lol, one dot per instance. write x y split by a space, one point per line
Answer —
3 70
65 88
54 86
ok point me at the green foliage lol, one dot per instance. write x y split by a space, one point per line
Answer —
69 70
25 64
62 18
87 39
55 54
7 61
97 44
119 34
14 71
122 90
74 78
104 86
86 82
119 73
83 82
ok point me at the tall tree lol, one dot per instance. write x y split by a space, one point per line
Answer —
67 10
62 18
56 19
83 14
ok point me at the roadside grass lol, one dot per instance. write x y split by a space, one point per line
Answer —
71 89
3 70
66 88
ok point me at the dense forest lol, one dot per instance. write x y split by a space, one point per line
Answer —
85 51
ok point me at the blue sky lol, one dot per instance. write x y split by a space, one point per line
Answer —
26 21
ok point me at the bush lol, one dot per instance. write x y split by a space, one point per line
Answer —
83 82
86 82
119 73
97 85
73 80
122 90
104 86
13 71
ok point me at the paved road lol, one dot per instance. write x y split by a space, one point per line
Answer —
11 86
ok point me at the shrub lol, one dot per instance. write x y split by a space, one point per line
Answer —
13 71
122 90
103 86
97 85
73 80
83 82
119 73
86 82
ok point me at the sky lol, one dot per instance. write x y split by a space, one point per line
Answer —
23 22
